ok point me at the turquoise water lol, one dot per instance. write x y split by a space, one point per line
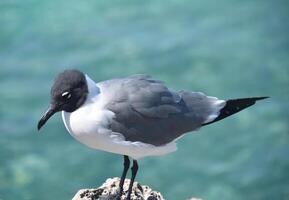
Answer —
227 49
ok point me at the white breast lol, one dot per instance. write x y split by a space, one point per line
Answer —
90 125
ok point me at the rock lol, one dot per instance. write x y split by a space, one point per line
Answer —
108 191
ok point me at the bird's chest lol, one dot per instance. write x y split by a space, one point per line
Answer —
88 124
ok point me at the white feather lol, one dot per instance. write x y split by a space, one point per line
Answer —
216 105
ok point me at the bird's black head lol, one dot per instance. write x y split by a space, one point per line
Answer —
68 93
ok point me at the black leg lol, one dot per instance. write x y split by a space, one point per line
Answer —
133 174
126 164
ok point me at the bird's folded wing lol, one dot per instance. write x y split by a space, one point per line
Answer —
147 111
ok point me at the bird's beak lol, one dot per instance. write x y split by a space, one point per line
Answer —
51 110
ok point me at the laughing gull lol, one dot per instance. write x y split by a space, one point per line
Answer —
135 116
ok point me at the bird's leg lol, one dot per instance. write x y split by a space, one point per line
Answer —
126 164
133 174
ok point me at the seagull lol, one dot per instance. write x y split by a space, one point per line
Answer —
135 116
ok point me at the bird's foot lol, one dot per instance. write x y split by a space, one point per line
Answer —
127 198
118 194
115 196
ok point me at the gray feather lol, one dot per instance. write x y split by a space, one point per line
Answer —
147 111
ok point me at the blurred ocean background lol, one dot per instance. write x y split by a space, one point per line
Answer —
225 48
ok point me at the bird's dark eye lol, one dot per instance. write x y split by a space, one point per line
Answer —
66 95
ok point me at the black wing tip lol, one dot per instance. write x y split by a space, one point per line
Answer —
251 98
234 106
260 98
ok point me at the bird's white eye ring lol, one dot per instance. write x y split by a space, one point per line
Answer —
66 95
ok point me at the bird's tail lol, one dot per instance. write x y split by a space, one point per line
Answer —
235 105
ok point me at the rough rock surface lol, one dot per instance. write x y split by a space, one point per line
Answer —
108 191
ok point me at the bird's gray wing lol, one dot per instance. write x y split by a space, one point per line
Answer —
147 111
